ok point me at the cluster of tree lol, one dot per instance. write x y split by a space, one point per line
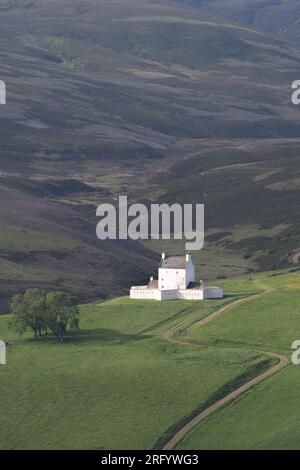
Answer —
43 312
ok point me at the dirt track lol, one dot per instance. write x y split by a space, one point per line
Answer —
168 335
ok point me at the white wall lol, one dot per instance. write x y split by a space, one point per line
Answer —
191 294
155 294
171 279
190 272
213 293
144 293
171 294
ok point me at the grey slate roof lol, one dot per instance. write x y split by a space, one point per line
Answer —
173 262
153 284
195 285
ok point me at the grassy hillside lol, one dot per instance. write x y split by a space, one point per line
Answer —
266 417
116 385
120 384
164 101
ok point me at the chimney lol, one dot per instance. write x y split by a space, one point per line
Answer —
163 256
188 257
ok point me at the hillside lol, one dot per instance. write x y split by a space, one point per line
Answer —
103 81
251 194
276 16
265 417
53 246
135 382
158 100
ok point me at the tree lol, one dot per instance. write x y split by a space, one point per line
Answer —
62 312
29 312
38 311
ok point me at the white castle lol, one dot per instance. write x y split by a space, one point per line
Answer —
176 280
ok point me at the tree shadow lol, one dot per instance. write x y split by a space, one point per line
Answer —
232 295
103 335
99 335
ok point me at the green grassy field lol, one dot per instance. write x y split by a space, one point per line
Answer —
266 417
115 385
119 384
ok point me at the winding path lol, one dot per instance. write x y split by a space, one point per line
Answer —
169 336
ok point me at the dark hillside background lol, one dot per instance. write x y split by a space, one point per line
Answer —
159 100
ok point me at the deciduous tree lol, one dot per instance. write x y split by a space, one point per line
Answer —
29 312
40 312
62 312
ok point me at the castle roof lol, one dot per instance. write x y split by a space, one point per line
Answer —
173 262
153 284
195 285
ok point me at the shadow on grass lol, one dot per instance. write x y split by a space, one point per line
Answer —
228 387
236 295
103 335
99 335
